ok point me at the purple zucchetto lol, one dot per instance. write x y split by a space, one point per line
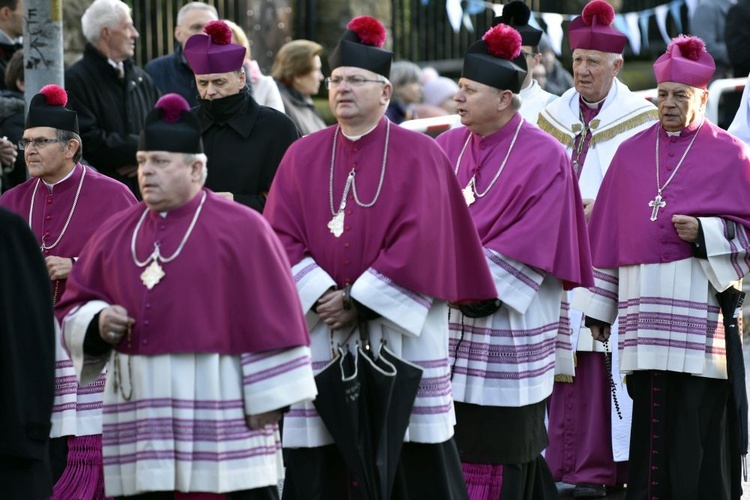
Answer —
686 61
213 51
171 127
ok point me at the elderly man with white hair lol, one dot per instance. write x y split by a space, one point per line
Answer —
669 240
110 93
591 120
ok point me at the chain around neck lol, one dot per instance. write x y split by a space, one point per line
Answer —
473 180
44 246
351 181
156 254
659 188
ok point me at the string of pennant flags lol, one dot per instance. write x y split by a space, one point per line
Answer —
634 25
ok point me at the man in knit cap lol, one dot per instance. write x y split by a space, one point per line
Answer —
534 98
520 190
667 235
591 120
355 207
243 140
197 380
64 203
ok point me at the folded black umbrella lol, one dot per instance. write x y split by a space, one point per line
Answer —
730 301
366 404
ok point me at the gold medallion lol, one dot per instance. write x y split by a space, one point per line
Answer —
336 225
152 275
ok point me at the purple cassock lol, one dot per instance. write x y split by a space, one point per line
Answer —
63 219
418 233
533 213
706 184
100 197
194 308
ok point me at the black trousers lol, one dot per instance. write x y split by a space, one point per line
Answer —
267 493
680 440
425 472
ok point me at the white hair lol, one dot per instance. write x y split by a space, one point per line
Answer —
195 6
515 102
189 158
102 14
613 57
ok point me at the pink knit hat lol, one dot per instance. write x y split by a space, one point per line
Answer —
593 29
686 61
213 51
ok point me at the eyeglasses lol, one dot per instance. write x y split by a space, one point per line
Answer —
529 54
39 143
353 81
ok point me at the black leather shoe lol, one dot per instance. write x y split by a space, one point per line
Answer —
589 490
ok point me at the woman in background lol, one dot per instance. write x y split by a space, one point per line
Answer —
297 70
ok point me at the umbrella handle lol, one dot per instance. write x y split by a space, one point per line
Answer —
364 334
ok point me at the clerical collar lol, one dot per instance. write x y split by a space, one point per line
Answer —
593 105
689 129
70 174
358 137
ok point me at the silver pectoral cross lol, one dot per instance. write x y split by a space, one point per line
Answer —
655 205
468 193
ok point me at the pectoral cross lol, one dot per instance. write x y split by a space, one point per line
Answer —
468 193
655 205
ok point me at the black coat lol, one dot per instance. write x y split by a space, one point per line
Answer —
737 37
111 111
27 363
245 143
6 52
12 127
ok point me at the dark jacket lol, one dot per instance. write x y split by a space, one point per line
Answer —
12 127
244 143
6 52
301 110
737 37
171 74
27 363
111 111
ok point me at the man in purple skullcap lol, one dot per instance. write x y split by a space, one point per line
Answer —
64 203
243 140
589 448
669 239
526 207
380 239
188 298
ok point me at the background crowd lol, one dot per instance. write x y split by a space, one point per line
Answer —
219 257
